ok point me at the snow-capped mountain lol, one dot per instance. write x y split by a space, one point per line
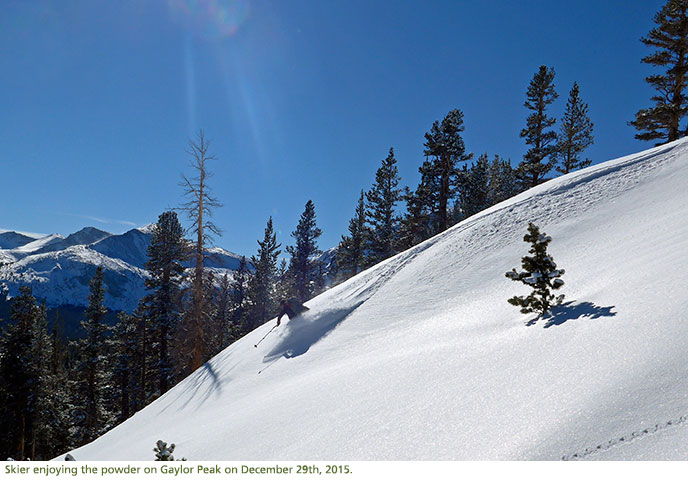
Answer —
12 239
59 268
421 356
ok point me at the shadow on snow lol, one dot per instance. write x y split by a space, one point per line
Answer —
571 311
300 333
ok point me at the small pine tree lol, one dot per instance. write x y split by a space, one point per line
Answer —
163 453
539 272
541 156
575 135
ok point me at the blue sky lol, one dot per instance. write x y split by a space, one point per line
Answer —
301 99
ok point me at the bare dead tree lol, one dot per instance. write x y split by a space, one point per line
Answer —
199 209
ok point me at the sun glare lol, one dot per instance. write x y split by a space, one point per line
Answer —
210 19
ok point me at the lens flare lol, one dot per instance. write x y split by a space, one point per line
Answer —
210 19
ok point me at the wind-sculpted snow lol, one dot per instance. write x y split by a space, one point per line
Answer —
421 357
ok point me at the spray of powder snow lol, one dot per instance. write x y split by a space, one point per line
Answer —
300 333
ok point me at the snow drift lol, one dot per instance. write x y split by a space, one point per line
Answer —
421 357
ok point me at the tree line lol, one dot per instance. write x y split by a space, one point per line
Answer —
452 187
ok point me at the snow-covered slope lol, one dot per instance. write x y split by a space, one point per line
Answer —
421 357
85 236
59 269
12 239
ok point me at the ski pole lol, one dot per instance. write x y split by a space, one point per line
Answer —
271 329
287 355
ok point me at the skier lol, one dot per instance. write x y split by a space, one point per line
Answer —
292 308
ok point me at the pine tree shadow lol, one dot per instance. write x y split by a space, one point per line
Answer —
571 311
202 384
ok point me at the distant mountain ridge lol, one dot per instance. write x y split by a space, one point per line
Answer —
59 268
12 239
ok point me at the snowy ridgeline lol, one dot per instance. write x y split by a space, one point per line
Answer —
421 356
59 269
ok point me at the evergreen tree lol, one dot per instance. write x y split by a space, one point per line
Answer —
445 146
199 209
34 411
92 395
502 183
262 284
163 453
56 385
212 341
541 156
284 281
238 301
351 252
416 224
474 188
301 266
575 135
223 323
539 272
51 422
19 378
125 379
380 210
166 253
670 39
143 365
320 273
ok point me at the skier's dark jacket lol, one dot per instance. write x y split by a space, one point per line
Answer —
291 308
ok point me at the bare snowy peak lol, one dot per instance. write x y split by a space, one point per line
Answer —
221 258
39 243
11 239
32 235
147 229
85 236
421 357
131 247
